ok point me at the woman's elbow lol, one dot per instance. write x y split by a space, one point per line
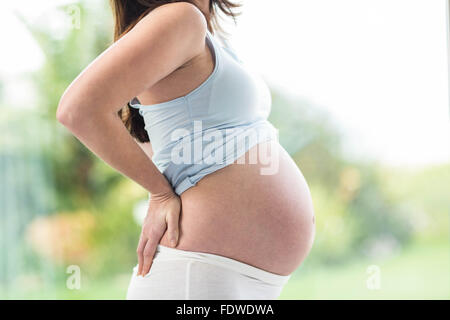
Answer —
62 114
68 114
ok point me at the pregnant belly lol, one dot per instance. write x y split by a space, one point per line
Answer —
257 212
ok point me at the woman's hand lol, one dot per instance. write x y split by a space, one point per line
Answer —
163 213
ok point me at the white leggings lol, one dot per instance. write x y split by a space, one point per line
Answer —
180 275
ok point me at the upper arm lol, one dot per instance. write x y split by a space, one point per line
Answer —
162 41
146 147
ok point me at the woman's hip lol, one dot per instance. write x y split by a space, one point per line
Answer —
179 274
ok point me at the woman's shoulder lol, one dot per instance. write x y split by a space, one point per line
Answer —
181 6
172 30
177 16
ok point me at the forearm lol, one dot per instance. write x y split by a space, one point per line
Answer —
106 136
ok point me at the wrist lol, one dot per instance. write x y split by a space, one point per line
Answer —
163 194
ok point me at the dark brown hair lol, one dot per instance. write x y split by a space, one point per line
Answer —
127 14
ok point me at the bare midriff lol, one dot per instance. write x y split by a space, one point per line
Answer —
261 217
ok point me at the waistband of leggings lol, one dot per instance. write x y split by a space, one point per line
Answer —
167 253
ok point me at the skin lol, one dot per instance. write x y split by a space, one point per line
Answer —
264 220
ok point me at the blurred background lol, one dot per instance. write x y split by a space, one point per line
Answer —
360 98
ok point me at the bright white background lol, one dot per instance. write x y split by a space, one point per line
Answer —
379 66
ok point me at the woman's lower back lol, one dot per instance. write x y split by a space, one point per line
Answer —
258 213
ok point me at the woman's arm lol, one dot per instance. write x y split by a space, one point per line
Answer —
147 148
164 40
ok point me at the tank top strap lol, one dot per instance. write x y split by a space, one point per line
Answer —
219 40
226 46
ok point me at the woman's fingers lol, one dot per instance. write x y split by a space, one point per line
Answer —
173 227
149 253
140 252
161 216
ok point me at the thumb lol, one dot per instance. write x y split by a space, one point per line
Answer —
173 227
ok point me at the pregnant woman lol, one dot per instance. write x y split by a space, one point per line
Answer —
171 106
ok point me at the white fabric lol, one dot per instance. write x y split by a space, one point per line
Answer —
186 275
